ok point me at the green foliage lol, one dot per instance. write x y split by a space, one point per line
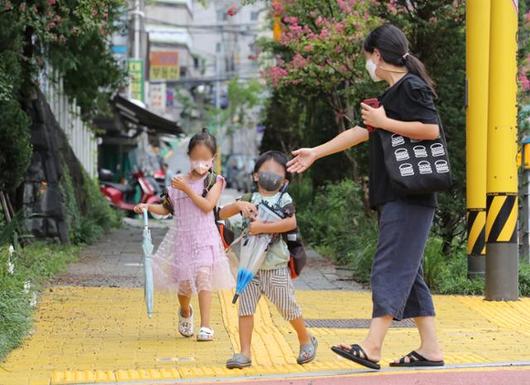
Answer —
72 35
524 279
89 219
35 263
15 147
336 222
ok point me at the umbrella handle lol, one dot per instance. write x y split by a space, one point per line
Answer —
145 217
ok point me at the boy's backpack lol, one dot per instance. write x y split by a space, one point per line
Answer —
293 238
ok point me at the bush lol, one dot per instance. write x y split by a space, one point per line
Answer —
524 279
99 216
35 263
15 147
336 223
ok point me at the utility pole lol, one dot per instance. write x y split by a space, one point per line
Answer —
477 73
502 262
137 29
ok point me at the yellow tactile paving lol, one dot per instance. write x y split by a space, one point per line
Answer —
103 335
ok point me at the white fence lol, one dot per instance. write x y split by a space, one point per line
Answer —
68 114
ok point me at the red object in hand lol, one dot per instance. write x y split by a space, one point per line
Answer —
374 103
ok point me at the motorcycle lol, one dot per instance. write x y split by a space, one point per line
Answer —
124 196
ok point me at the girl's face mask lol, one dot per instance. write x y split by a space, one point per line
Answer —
371 67
270 181
201 167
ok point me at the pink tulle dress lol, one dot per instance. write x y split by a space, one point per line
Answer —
191 257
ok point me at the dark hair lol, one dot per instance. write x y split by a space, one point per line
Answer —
278 156
394 48
205 138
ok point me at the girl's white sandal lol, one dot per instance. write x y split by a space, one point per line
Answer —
205 334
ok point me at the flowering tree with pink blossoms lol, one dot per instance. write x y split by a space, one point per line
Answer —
320 52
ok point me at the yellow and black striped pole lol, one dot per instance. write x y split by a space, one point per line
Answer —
477 66
502 260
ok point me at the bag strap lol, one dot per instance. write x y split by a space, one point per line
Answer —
247 197
209 182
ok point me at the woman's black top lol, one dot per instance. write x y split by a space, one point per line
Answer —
409 100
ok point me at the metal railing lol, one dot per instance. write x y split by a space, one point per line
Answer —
68 114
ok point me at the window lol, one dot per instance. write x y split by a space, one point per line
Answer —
254 15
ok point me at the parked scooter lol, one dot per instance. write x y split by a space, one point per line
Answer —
124 196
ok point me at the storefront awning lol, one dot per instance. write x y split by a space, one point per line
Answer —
139 116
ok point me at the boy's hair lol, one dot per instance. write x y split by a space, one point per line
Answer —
205 138
278 156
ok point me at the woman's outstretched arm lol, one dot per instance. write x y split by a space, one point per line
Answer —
305 157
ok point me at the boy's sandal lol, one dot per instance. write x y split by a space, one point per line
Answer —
356 354
308 352
205 334
186 323
238 361
415 360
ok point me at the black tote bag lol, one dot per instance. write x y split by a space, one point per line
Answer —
416 166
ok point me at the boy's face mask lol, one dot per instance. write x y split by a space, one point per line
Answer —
201 167
270 181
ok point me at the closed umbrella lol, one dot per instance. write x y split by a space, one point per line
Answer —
253 250
147 245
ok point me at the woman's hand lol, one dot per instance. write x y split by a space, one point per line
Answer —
247 209
255 228
138 209
374 117
303 159
179 183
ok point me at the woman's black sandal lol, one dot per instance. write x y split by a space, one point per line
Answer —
357 355
415 360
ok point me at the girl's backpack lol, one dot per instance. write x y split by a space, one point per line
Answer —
209 182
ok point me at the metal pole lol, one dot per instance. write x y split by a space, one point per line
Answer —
137 29
219 55
477 66
502 260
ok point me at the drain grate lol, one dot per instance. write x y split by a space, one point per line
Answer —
356 323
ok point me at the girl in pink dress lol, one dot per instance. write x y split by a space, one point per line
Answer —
191 258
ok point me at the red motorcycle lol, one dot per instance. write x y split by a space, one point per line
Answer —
124 196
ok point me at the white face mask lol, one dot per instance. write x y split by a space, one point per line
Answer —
201 166
371 67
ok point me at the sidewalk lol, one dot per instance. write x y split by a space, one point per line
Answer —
91 327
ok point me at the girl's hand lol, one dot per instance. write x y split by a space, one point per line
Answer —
374 117
255 228
303 158
248 210
179 183
138 209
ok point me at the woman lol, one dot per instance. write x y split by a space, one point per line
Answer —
398 288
